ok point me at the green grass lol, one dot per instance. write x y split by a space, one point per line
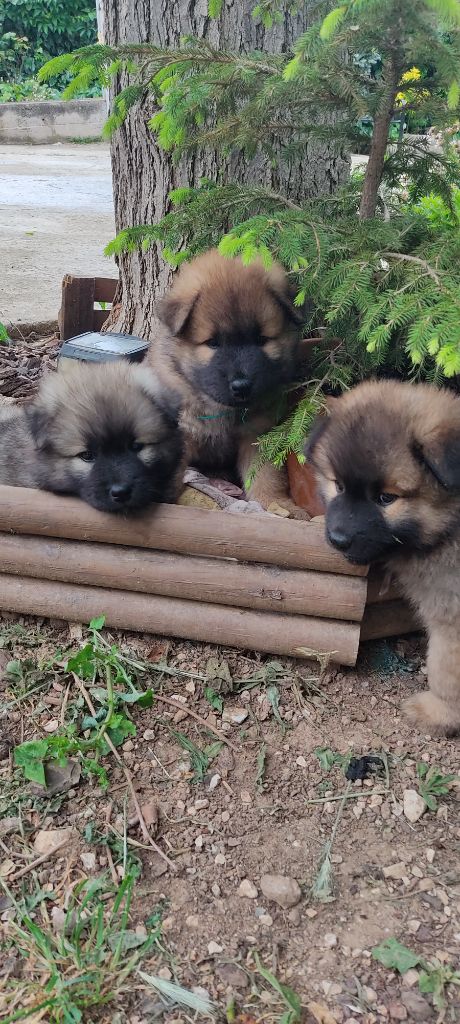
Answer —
84 965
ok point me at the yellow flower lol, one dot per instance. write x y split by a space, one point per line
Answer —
413 75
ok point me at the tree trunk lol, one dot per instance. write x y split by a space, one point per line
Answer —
143 175
379 142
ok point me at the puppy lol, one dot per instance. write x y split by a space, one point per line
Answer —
387 460
98 431
228 343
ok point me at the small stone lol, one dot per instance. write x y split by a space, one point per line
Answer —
410 978
89 861
128 746
413 926
329 940
199 843
418 1008
413 805
50 840
225 816
416 871
52 725
245 796
58 919
301 762
214 948
430 855
396 871
215 889
266 919
220 859
282 889
232 976
192 921
397 1011
235 716
165 973
247 889
148 734
215 779
201 803
294 916
311 913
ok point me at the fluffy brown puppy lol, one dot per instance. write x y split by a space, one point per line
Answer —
98 431
228 343
387 460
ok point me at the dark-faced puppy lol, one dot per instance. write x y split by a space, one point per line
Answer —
387 461
98 431
228 344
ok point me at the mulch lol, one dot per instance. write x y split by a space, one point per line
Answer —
23 362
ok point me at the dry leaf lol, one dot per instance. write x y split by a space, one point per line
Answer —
278 510
6 868
321 1013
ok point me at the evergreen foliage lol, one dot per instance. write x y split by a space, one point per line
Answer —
380 258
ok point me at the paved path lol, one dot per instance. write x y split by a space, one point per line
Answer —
56 216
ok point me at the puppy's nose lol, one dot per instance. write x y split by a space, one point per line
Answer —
241 387
120 493
339 539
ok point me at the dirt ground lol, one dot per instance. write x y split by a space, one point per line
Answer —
236 769
268 804
56 216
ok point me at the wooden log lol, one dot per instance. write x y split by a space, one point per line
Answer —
391 618
77 306
267 539
266 588
293 635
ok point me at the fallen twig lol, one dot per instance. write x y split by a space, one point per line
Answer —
183 707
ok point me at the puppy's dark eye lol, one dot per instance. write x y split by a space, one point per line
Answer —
137 446
386 499
86 456
339 487
212 343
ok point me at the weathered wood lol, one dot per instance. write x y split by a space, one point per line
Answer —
391 618
99 318
322 595
105 288
77 306
266 539
292 635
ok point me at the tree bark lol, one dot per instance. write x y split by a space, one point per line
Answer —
143 175
379 142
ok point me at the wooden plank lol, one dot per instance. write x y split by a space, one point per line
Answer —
263 588
266 539
292 635
105 288
99 318
77 306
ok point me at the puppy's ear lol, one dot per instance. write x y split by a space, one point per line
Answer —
284 294
319 427
175 310
39 419
441 456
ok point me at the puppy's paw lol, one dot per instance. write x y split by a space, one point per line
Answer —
431 714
